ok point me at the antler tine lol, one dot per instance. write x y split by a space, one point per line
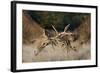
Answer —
54 29
66 27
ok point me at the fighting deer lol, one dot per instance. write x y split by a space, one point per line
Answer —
64 38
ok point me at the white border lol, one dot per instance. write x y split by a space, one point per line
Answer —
21 65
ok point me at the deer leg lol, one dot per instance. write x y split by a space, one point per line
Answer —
70 46
67 45
53 43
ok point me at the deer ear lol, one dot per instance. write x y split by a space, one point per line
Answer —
48 33
43 31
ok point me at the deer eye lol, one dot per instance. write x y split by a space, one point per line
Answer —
32 41
43 44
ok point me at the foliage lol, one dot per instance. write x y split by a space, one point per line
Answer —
58 19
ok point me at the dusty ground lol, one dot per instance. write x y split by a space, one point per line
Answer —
57 54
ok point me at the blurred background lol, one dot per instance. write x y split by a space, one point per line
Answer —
58 19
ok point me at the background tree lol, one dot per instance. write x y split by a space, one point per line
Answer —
58 19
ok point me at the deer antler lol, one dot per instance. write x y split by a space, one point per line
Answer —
66 27
54 29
